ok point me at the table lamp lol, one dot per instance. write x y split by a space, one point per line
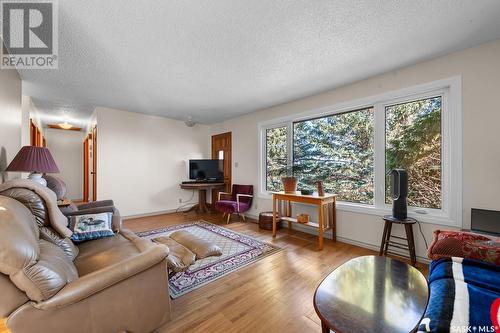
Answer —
36 160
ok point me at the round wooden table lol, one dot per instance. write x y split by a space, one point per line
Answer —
371 294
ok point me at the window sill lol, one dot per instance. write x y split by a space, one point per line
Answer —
372 210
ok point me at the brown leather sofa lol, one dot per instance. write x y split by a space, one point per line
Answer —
48 284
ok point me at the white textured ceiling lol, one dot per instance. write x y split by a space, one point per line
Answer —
52 112
221 58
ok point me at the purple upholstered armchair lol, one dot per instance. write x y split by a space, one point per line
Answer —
240 201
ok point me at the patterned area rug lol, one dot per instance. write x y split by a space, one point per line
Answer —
238 250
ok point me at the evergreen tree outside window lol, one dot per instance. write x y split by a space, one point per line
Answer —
337 150
276 157
413 142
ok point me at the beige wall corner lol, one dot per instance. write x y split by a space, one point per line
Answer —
10 119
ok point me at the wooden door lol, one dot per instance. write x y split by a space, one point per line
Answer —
38 141
86 169
94 163
221 149
32 133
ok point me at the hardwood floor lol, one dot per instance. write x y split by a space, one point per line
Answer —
274 294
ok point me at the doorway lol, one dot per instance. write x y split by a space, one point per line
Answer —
221 149
94 163
86 152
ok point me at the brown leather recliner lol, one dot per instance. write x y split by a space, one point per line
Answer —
48 284
58 186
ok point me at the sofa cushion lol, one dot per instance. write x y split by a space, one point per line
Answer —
35 266
199 246
57 220
18 236
101 253
12 297
32 201
50 235
52 271
91 248
179 257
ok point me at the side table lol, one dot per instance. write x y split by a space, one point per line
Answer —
372 294
410 240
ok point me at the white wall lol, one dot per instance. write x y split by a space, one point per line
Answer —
480 70
142 159
67 149
27 106
10 119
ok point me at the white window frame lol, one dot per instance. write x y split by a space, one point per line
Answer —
451 148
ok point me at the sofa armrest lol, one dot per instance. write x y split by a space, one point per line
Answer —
90 284
94 210
116 221
95 204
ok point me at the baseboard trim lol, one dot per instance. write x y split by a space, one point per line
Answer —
161 212
328 235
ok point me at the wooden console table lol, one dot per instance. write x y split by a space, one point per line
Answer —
327 212
202 188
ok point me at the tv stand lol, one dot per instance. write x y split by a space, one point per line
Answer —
202 188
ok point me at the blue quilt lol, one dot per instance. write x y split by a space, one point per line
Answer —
464 297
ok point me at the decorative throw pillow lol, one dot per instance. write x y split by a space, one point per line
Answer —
485 250
445 248
90 226
464 245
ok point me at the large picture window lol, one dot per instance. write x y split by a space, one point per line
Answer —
338 150
276 157
353 149
413 142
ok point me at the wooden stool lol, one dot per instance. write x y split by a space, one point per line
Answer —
410 241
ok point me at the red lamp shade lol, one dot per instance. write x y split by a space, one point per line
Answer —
33 159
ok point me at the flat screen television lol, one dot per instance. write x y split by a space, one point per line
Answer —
206 169
485 221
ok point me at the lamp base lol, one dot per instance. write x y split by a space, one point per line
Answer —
37 177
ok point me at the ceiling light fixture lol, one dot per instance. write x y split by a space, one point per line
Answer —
190 122
65 125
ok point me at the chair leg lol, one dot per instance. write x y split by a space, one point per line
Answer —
243 217
223 215
228 218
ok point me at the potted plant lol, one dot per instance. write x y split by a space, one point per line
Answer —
289 182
